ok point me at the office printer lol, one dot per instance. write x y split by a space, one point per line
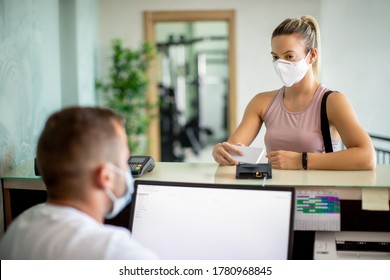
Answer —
352 245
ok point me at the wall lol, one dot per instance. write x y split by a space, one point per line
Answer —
30 70
356 39
29 75
78 39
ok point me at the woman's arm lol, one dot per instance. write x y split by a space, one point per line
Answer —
359 153
250 124
246 132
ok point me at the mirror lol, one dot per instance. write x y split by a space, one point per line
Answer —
194 78
192 81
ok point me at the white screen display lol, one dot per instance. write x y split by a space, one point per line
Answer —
181 222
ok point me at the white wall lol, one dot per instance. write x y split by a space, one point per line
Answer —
78 37
87 50
356 41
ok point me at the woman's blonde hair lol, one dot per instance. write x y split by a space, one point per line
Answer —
307 28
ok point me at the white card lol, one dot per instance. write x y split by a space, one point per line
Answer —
251 155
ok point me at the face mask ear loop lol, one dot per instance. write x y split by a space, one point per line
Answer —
116 169
110 195
108 191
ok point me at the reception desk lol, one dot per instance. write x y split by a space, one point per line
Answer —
348 184
22 186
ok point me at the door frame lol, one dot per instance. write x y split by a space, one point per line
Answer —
153 17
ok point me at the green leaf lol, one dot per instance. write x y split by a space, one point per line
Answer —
125 89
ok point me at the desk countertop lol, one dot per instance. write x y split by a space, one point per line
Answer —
213 173
348 184
24 171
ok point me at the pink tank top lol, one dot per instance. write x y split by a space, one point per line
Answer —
294 131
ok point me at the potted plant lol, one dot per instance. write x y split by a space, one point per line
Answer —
125 90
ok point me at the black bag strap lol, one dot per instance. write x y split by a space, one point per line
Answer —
325 124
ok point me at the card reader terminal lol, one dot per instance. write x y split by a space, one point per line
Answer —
140 165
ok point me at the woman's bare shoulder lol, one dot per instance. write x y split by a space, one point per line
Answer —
260 102
337 100
263 99
266 95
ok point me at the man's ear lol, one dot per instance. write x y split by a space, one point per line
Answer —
104 177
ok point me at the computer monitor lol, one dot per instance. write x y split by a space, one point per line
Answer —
188 221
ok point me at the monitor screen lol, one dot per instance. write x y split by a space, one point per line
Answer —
209 221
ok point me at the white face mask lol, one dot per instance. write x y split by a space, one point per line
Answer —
291 72
119 203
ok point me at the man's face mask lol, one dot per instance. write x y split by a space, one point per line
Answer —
119 203
291 72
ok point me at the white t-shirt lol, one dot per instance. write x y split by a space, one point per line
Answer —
48 231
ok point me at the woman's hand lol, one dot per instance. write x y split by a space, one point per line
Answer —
221 153
285 160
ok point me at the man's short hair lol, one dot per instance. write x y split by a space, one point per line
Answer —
74 141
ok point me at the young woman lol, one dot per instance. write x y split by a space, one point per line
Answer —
291 114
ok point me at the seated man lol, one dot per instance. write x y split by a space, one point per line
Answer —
82 155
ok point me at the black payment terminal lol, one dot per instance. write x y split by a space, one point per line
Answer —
140 165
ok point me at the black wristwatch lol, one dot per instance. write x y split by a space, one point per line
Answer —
304 160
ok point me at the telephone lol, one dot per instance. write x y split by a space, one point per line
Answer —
140 165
